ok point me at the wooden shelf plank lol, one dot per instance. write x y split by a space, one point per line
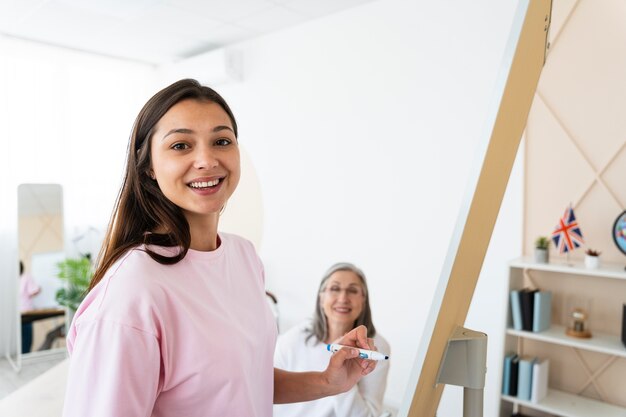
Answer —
570 405
600 342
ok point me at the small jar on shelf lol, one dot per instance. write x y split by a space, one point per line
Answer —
578 318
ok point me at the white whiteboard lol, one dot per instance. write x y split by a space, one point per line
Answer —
522 64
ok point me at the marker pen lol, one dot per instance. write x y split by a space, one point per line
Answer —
371 355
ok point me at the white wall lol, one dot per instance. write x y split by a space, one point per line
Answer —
65 117
361 127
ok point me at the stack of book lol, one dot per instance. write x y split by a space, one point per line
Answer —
531 309
525 377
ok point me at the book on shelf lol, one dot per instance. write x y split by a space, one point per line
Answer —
525 377
516 310
527 301
539 388
542 311
624 325
513 380
531 309
506 374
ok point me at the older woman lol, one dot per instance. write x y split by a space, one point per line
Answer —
342 304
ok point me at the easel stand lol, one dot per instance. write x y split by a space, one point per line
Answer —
464 364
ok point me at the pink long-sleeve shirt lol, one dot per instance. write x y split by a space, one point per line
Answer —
191 339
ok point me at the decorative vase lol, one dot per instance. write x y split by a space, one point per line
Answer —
592 262
541 256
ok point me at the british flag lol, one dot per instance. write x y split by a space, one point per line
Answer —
567 235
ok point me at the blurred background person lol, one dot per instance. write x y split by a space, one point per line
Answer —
28 290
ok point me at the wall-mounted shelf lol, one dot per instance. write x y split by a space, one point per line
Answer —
569 277
607 270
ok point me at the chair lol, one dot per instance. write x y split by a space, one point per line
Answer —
273 302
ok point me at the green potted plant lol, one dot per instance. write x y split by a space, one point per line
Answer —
542 243
76 273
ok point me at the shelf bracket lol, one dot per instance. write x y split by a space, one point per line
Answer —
464 364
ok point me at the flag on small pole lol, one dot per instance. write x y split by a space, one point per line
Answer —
567 235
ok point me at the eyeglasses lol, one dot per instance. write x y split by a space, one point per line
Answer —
335 291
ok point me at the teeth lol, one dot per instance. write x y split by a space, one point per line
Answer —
204 184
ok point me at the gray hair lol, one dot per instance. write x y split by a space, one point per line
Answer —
319 326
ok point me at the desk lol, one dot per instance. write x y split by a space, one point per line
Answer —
30 316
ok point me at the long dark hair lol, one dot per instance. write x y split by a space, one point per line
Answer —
141 207
319 326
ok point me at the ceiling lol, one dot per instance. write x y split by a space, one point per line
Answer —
155 31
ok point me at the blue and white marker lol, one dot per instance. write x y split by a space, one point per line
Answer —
371 355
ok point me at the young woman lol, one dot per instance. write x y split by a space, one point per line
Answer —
176 322
342 303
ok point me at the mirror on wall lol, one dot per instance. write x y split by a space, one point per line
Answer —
40 249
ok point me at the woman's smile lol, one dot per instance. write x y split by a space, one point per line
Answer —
206 186
342 310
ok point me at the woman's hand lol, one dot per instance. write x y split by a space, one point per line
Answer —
345 368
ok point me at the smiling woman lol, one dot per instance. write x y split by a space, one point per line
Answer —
176 321
160 169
